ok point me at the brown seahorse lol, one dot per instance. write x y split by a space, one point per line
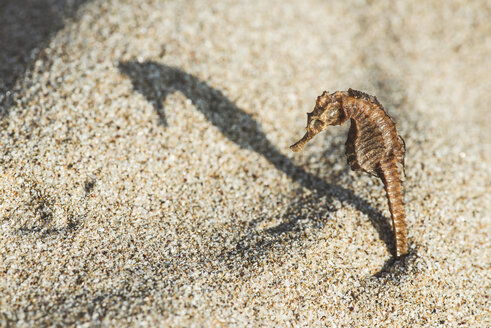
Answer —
373 145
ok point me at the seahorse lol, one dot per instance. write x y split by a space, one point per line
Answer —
373 145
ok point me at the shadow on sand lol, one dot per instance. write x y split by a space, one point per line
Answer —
26 27
156 81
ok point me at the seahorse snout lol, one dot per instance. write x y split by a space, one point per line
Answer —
301 143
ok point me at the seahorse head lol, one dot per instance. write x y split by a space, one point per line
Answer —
327 111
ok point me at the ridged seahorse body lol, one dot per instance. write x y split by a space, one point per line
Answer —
373 145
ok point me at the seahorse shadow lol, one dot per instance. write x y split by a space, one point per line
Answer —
156 81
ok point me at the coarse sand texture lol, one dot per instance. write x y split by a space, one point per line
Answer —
146 179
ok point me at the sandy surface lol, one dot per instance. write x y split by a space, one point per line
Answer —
146 180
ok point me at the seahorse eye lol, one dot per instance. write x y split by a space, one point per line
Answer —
317 124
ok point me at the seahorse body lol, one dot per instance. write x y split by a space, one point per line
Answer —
373 145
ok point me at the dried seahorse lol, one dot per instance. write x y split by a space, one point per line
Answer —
373 145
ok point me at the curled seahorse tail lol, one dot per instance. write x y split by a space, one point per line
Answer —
392 183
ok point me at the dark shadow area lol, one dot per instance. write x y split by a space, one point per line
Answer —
42 206
49 232
301 225
156 81
397 267
26 27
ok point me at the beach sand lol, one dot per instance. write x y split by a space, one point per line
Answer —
146 180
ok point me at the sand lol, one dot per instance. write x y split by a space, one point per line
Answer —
146 180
